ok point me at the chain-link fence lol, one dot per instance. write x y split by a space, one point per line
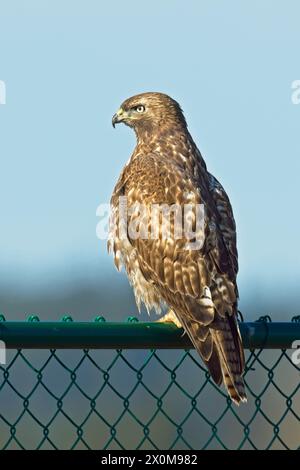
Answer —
83 397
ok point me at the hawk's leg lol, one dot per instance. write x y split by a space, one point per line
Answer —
170 317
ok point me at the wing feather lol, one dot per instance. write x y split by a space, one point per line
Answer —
199 285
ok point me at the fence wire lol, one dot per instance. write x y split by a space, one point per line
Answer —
144 399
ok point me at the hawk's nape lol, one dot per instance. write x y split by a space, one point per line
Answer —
197 283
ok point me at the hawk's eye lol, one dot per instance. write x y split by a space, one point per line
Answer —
140 108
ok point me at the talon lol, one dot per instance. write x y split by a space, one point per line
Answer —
170 317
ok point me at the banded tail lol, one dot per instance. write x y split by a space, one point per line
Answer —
220 346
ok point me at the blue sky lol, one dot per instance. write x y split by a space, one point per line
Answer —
68 65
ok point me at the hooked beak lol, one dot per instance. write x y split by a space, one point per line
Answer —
118 117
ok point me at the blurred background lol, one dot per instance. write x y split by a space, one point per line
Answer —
68 65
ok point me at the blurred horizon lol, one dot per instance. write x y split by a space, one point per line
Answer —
68 66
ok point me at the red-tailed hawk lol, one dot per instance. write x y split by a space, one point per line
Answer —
197 284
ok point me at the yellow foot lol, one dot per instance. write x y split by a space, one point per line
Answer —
170 317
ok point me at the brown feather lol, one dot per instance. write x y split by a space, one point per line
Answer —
198 285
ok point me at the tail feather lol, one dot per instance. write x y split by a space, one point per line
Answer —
221 349
214 366
236 388
202 340
227 338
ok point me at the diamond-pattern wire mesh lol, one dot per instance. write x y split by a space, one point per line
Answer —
144 400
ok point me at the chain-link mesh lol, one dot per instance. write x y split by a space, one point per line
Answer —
138 399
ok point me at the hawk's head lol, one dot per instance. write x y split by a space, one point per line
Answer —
148 112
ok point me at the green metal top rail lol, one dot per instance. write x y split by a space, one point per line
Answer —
99 334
